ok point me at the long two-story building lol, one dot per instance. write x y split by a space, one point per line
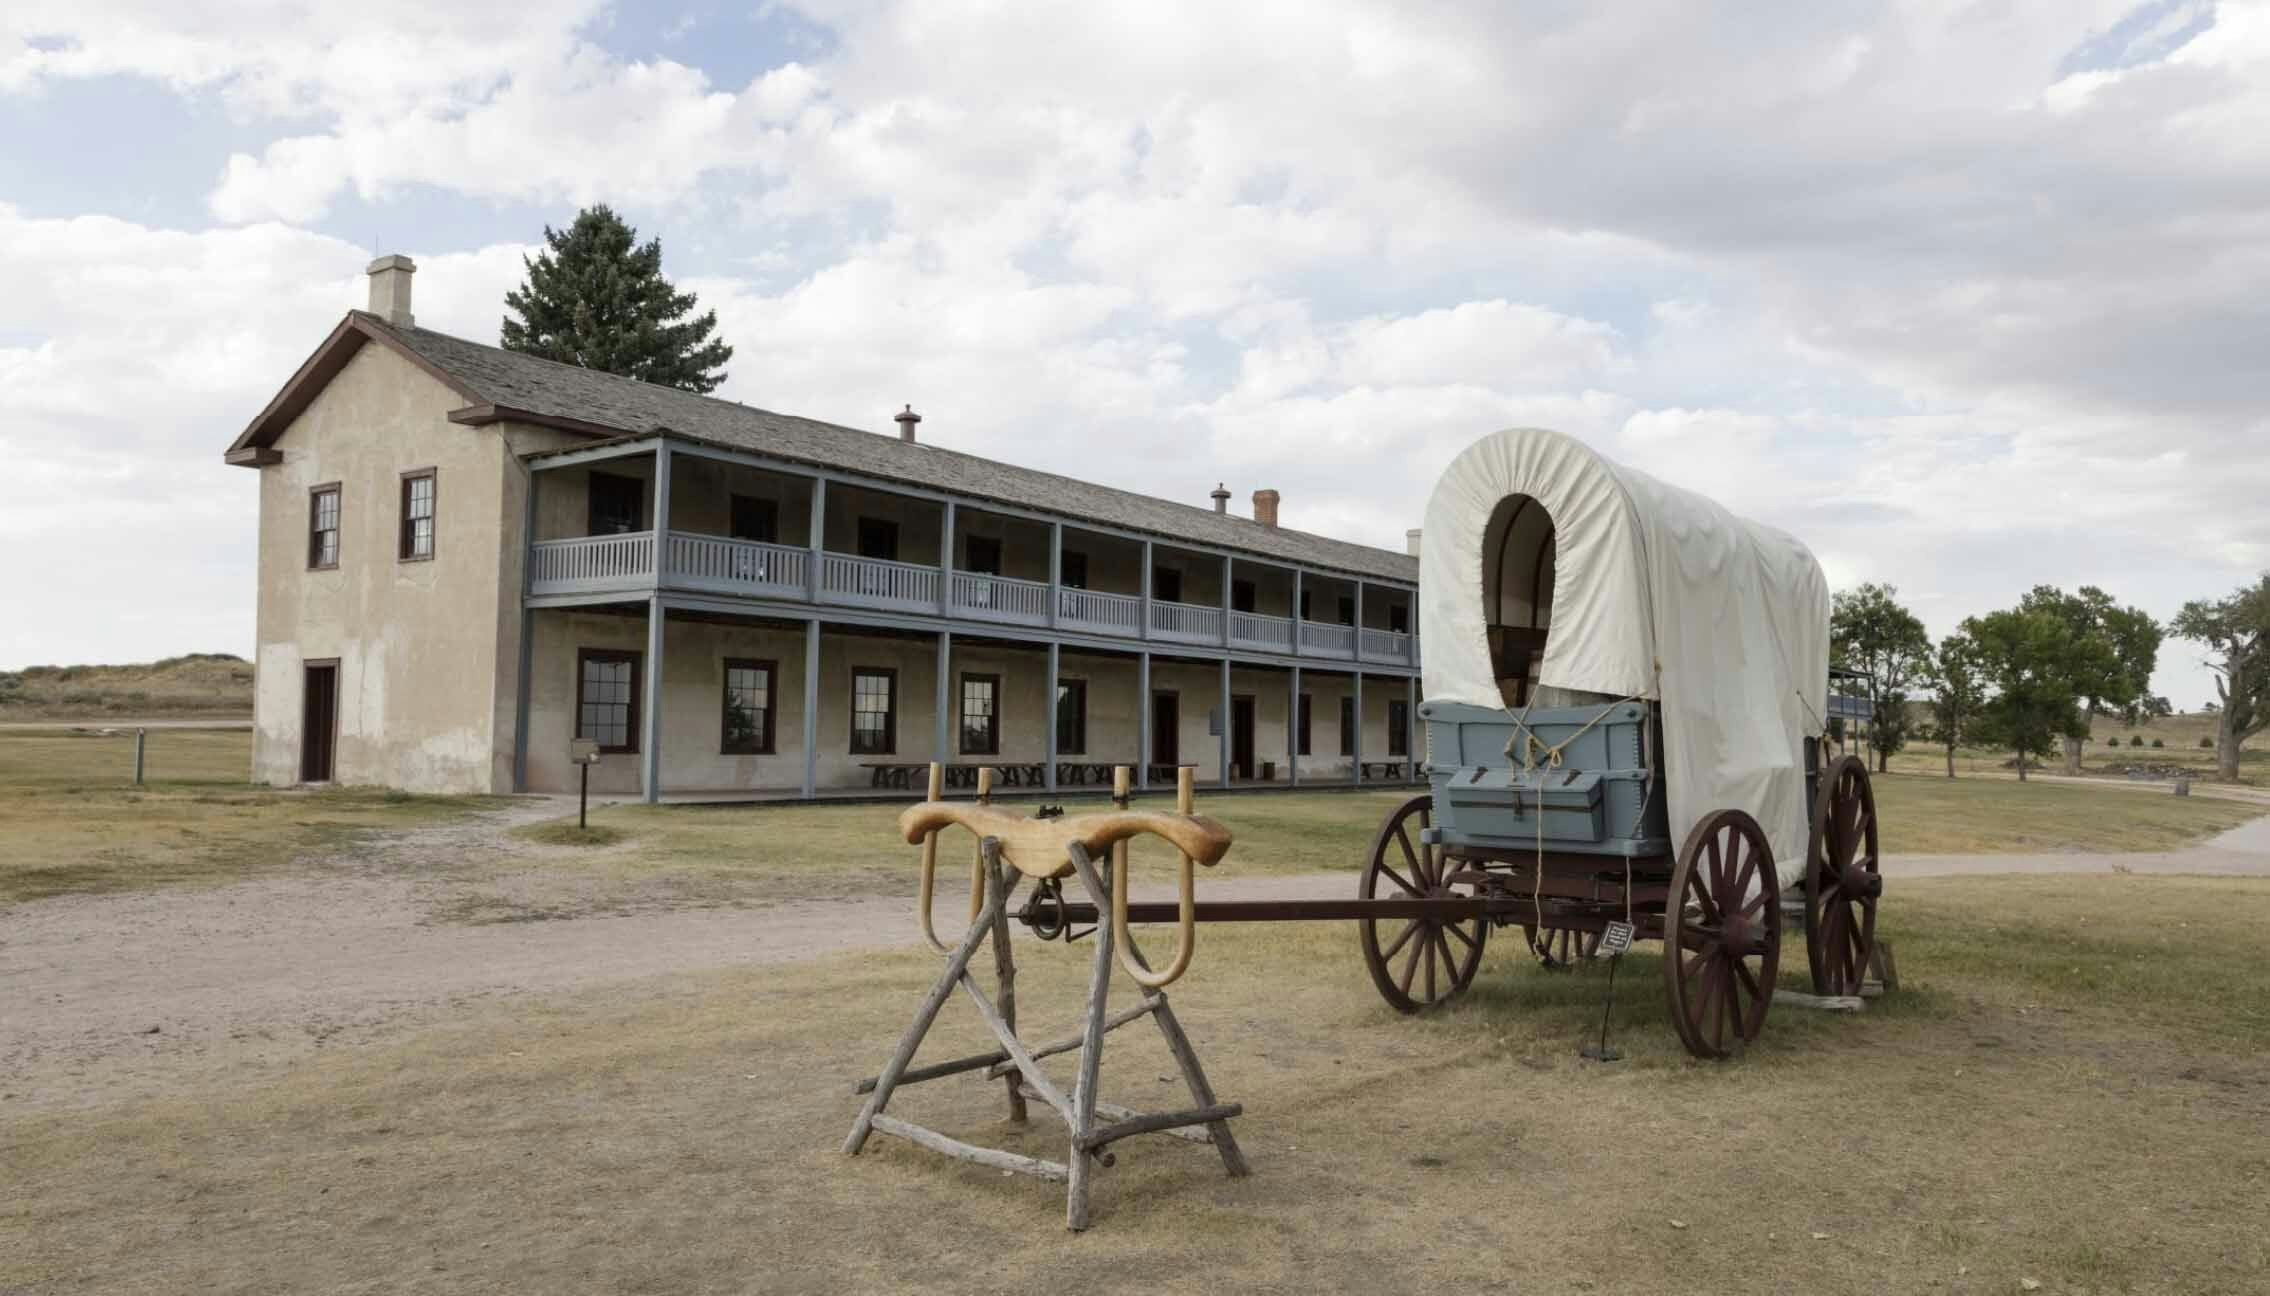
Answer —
470 557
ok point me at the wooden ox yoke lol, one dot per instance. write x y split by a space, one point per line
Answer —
1010 848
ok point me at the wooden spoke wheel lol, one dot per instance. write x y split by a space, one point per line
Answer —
1558 948
1416 962
1722 934
1843 880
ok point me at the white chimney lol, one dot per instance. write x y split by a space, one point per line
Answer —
1411 542
390 289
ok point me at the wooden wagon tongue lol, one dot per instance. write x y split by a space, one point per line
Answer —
1093 848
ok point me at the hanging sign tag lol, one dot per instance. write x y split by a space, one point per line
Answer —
1615 938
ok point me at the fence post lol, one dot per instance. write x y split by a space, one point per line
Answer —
139 736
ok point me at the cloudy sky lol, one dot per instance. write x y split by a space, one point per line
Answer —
1969 294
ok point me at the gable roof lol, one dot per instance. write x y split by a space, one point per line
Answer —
500 384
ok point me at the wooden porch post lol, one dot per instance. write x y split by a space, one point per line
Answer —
815 542
945 696
945 578
1143 703
1357 744
1296 611
1293 728
1146 625
1227 574
1226 725
650 743
1049 771
811 702
1357 648
1055 579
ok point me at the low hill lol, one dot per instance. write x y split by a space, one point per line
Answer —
196 686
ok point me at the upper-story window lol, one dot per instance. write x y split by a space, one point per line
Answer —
1398 618
417 539
984 555
1075 569
323 526
751 517
879 538
616 503
1242 596
1166 585
1347 609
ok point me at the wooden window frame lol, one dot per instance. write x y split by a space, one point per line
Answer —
992 682
1080 718
433 517
632 728
890 746
591 482
763 744
765 506
1398 727
1350 720
338 530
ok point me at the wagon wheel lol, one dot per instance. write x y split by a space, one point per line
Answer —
1416 962
1722 934
1843 880
1558 948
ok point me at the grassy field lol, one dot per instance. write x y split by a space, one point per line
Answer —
71 820
2070 1092
198 685
2112 748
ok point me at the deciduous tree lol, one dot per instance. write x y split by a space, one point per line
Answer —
2113 652
2031 659
596 297
2237 631
1870 631
1952 678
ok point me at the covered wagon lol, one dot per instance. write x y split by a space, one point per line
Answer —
1625 692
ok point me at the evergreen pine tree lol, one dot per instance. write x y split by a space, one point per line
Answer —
597 298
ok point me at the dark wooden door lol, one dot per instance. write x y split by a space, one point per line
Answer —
1166 728
319 722
878 538
1241 735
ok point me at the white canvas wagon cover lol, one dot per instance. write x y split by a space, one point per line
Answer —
1656 592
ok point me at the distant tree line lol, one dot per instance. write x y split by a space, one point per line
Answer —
2033 678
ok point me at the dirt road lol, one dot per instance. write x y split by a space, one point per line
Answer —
104 997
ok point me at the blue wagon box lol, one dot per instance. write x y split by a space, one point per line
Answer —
1600 798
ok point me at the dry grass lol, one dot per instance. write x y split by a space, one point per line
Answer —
72 821
2072 1090
2110 751
196 685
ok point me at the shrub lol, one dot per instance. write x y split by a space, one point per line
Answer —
2158 742
2207 743
2136 740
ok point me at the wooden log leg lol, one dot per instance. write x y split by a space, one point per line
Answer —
956 964
1004 968
1186 1057
1091 1048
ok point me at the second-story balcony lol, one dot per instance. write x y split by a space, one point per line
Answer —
625 564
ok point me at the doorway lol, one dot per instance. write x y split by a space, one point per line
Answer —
1166 728
1241 735
319 722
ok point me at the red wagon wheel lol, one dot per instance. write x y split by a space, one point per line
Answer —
1722 934
1559 947
1416 962
1843 880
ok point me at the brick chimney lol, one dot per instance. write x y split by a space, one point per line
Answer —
906 419
1221 498
390 289
1265 508
1411 542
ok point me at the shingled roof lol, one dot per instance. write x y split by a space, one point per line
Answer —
501 384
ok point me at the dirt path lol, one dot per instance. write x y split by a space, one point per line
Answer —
105 997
